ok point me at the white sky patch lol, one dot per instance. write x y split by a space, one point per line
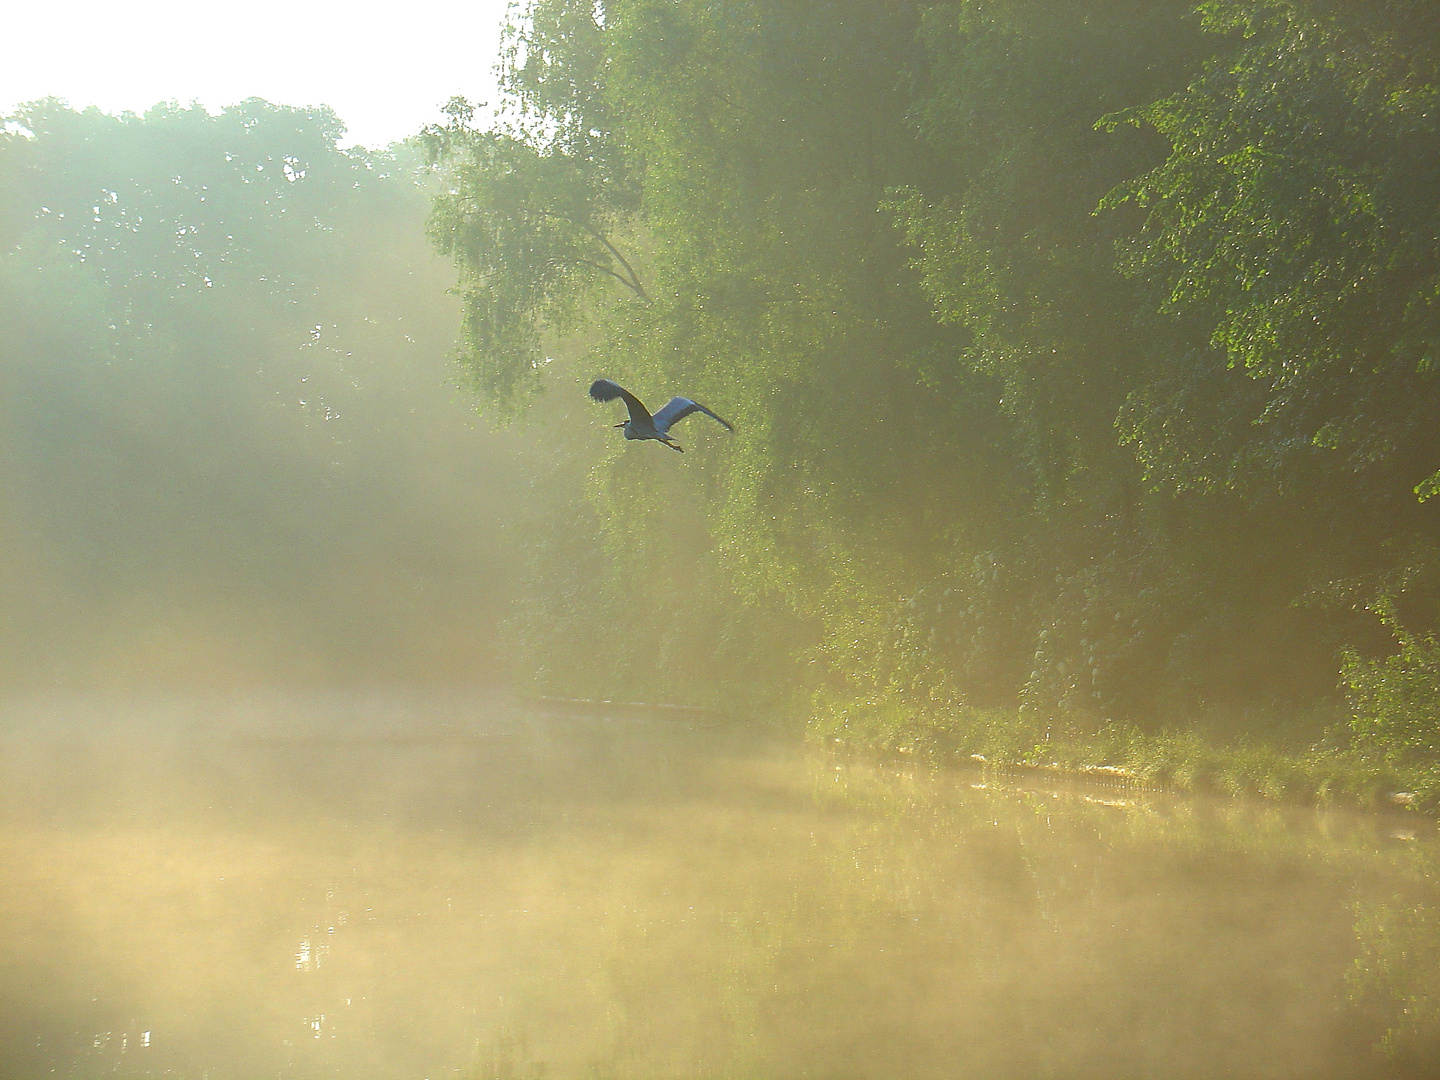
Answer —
386 69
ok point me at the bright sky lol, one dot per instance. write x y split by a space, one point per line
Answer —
385 68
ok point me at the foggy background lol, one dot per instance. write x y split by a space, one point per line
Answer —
235 450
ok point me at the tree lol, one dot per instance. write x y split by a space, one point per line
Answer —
229 450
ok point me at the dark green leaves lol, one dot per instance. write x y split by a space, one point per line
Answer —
1297 218
1070 342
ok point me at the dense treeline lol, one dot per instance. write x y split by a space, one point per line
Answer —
1083 357
229 454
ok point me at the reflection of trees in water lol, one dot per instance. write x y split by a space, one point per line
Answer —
620 900
1397 973
1260 860
920 927
506 1055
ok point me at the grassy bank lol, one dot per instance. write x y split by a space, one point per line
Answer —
1333 768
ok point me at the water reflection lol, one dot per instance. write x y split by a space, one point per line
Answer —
426 887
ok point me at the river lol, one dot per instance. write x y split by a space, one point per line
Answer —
447 885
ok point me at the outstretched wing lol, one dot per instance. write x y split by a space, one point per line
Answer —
605 390
677 408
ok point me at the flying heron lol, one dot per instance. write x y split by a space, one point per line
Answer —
641 424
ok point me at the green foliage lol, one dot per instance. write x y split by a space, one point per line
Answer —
1294 219
228 454
1076 349
529 229
1396 701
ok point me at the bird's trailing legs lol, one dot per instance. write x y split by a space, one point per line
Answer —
641 424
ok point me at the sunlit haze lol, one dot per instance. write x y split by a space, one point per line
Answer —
1035 675
385 69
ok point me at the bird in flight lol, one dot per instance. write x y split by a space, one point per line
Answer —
641 424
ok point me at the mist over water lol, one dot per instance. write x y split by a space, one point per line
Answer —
412 885
273 798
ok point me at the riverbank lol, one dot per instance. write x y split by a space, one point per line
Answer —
1331 769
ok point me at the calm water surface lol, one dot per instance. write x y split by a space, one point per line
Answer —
440 886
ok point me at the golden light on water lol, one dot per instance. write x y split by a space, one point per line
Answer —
652 899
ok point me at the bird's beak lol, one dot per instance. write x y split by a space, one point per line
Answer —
621 424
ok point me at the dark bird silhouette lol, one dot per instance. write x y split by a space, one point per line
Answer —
641 424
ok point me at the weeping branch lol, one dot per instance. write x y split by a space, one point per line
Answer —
630 279
634 281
